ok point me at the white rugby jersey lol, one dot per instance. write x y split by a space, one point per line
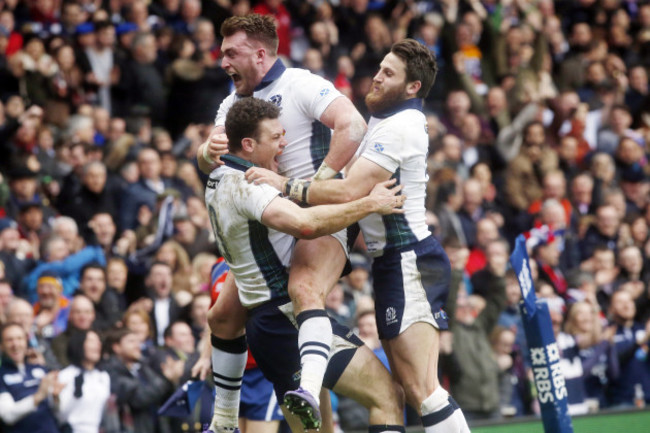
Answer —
303 97
257 255
398 141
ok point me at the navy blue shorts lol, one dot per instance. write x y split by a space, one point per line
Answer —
272 336
411 285
258 401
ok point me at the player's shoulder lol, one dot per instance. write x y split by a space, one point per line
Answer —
298 77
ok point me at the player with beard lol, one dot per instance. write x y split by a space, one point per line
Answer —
411 272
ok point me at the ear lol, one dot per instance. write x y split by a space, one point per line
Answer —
248 145
413 88
260 54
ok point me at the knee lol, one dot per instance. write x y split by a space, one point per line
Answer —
389 405
307 297
414 393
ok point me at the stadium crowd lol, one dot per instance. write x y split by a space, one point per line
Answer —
540 116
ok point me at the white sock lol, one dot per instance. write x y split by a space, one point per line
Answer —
441 414
314 342
228 364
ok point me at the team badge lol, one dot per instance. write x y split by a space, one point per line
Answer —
391 316
276 100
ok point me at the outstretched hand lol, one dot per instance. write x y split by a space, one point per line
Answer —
387 200
258 175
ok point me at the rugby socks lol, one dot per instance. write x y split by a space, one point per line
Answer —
441 414
386 429
314 341
228 364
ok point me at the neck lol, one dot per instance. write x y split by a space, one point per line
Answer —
87 365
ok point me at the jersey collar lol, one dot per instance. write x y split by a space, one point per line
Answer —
236 162
273 74
412 103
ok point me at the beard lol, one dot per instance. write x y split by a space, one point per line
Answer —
384 99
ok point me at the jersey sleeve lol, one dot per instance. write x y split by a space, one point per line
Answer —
385 147
257 197
314 94
220 120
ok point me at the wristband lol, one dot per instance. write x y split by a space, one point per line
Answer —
206 156
287 187
325 172
298 190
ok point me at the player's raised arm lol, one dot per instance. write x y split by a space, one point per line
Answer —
349 128
209 151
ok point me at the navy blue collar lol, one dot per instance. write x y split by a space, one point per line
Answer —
413 103
236 162
273 74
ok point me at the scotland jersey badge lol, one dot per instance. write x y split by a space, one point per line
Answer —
276 100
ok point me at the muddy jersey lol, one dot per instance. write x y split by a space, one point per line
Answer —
257 255
302 97
398 142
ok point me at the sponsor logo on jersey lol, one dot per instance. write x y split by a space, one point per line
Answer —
324 91
379 147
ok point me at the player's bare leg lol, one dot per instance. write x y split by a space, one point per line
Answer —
227 320
417 371
367 381
316 266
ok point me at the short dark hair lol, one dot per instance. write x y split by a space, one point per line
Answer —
244 118
420 63
169 330
92 265
257 27
114 336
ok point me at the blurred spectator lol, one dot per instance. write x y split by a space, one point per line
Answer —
486 232
93 197
105 299
165 310
631 341
172 253
24 386
66 266
86 388
472 319
597 353
80 318
603 233
137 320
139 389
523 184
22 313
145 191
51 307
514 396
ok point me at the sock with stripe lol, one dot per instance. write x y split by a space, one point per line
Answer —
386 429
314 342
441 414
228 364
